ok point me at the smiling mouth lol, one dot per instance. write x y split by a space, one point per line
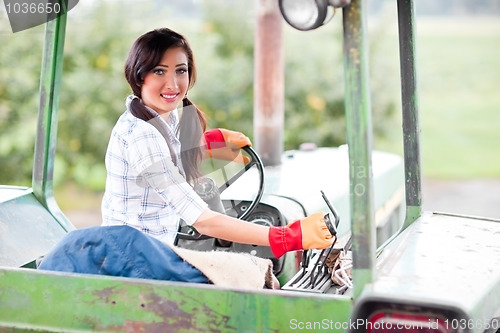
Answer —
169 97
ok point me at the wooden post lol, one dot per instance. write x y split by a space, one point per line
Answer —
268 83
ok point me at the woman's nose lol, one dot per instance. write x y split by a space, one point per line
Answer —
170 82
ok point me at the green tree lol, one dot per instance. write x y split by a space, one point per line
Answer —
99 35
19 94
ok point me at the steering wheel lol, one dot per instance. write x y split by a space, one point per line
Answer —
243 211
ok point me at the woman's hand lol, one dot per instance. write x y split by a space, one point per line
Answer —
225 144
308 233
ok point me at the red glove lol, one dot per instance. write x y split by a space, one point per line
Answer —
225 144
309 233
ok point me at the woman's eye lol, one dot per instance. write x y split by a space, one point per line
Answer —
158 71
182 70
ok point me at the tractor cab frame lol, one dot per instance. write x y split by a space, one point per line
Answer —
417 280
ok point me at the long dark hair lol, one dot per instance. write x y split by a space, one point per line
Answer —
145 54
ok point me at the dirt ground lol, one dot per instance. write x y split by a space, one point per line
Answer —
479 197
84 218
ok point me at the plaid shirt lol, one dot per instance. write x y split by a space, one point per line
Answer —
144 189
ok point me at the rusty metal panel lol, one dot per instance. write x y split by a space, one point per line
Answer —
35 300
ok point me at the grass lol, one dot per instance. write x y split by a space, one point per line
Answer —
458 67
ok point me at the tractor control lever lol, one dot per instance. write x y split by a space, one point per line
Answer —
332 226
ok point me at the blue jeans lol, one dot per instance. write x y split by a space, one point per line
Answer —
119 251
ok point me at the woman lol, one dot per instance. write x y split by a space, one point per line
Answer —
153 156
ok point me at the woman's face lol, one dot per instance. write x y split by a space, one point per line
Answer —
167 83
